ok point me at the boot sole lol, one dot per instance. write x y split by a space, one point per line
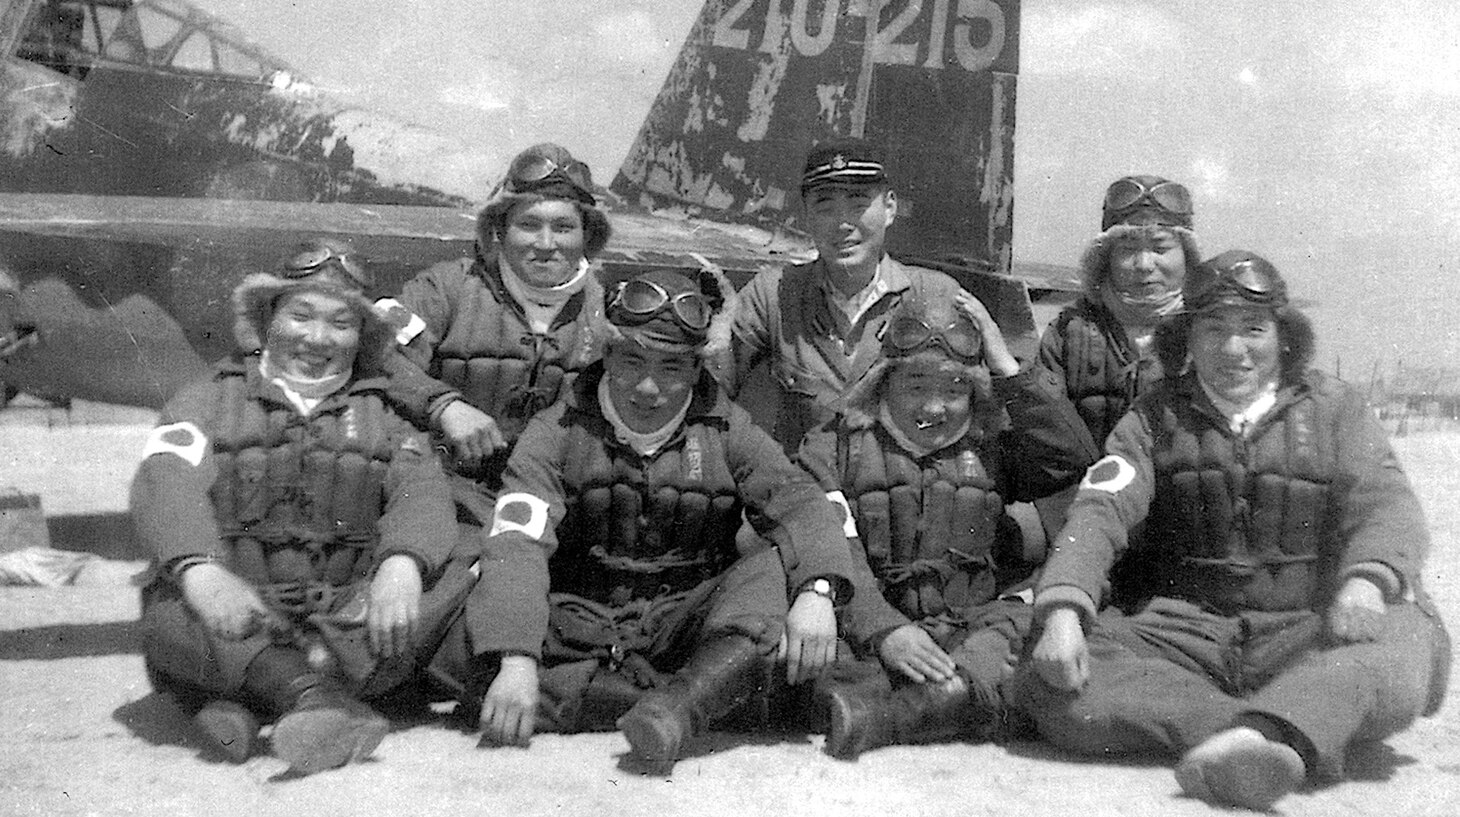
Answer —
842 742
230 729
648 742
319 739
1252 776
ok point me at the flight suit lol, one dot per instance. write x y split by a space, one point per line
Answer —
304 508
473 342
1091 357
611 567
932 543
1249 536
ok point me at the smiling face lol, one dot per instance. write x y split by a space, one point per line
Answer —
928 399
1148 264
649 386
849 223
1236 351
313 335
543 241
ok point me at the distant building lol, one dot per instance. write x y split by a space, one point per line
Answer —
1415 394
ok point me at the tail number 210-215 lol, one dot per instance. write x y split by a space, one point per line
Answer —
974 30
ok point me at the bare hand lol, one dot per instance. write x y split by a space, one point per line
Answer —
1357 613
472 433
1062 658
808 646
509 711
995 350
229 606
394 611
910 650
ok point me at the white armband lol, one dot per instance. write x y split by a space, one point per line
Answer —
183 439
849 526
510 512
408 325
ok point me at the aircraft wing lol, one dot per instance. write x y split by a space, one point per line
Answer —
408 237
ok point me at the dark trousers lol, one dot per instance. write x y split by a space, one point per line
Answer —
183 657
1173 675
982 642
599 659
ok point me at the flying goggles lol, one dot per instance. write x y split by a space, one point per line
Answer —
1130 192
1236 279
644 299
314 257
961 338
532 171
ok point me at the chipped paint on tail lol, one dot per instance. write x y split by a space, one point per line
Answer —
758 81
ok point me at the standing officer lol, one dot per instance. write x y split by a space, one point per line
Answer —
818 324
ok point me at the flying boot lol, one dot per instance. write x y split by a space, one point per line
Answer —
722 675
231 728
864 719
320 726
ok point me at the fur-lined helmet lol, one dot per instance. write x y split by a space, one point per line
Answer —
1238 278
321 265
1235 278
1138 205
673 311
542 172
927 330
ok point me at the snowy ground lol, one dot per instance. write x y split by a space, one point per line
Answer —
81 733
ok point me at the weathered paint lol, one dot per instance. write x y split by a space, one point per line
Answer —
933 80
127 296
33 104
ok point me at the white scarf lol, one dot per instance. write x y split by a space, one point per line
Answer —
1241 418
902 439
1139 316
303 392
542 304
645 443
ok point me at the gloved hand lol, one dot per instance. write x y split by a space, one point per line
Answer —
394 611
229 606
911 651
473 434
808 645
1357 613
509 710
1062 657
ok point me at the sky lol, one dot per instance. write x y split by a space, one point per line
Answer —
1321 134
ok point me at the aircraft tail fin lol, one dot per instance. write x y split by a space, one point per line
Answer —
759 81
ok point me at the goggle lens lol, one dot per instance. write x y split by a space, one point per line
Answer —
1167 195
308 261
644 298
531 169
961 338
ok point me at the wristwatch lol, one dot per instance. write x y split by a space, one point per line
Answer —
821 587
